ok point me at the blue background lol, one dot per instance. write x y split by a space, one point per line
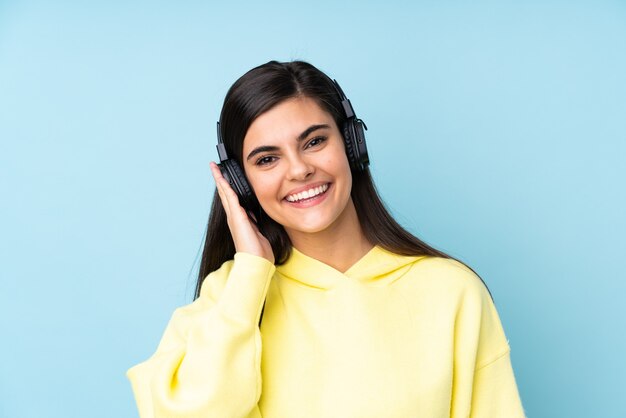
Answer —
497 132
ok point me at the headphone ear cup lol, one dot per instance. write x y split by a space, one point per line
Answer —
356 149
237 180
348 141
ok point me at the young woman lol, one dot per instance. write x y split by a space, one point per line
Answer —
311 300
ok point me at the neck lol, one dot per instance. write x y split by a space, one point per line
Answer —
340 245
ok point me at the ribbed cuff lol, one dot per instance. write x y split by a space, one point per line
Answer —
246 287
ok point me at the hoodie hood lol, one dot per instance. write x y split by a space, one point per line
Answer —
378 267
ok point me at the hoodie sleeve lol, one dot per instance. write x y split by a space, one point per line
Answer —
208 363
495 391
485 385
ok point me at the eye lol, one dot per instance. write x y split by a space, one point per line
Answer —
316 141
268 159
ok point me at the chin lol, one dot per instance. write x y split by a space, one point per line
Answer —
313 223
299 226
306 229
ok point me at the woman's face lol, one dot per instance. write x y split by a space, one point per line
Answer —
295 161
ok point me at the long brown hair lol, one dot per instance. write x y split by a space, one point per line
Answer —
256 92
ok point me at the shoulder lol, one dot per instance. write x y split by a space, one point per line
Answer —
456 286
448 273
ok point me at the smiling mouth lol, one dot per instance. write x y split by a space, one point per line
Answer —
308 194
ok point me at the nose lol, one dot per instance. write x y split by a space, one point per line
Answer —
299 168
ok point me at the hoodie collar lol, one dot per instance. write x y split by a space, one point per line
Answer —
378 267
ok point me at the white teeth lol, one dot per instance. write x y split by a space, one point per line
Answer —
307 194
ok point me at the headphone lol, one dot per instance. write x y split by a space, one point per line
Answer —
353 130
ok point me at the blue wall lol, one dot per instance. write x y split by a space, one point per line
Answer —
497 133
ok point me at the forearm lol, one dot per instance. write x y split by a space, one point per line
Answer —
208 363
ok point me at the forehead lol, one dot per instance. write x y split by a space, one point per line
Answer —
285 121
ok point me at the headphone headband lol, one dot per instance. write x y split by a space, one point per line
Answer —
348 110
221 148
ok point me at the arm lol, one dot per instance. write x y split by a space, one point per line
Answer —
495 390
485 385
208 361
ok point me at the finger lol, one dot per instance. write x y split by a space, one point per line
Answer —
215 170
223 198
219 183
230 199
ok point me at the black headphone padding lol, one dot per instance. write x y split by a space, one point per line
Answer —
354 139
237 180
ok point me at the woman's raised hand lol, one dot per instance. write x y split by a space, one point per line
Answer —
245 233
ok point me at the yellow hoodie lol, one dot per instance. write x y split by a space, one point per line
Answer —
392 337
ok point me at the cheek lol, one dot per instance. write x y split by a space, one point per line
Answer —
340 166
265 188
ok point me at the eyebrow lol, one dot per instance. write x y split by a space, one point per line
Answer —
301 137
